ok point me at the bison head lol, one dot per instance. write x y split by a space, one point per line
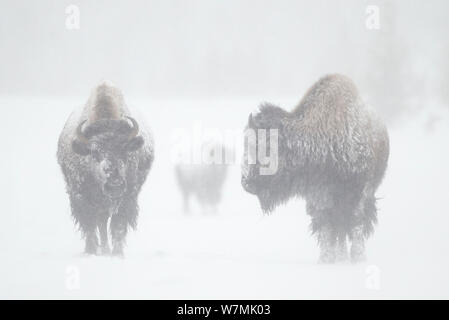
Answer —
264 171
107 144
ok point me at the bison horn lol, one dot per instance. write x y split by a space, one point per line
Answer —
250 120
135 128
79 132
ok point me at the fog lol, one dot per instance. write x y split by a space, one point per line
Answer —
210 63
221 48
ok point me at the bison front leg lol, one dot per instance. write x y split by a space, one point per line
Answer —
325 232
126 216
103 230
85 216
91 243
119 229
90 235
186 203
327 242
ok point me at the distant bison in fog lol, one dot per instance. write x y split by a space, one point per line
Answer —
105 155
333 152
203 181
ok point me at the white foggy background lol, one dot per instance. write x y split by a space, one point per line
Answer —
183 63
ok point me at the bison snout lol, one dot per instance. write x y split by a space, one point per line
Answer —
248 187
114 188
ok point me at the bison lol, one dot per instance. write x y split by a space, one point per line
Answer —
333 152
204 181
105 155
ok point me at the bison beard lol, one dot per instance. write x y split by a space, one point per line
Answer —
104 162
333 153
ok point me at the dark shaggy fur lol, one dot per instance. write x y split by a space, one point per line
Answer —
105 156
333 152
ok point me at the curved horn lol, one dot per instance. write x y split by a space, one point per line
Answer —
135 128
79 132
250 120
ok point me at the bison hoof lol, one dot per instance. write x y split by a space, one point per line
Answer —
118 252
91 250
342 256
359 257
105 251
327 258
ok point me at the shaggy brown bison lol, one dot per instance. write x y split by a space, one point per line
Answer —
333 152
203 181
105 154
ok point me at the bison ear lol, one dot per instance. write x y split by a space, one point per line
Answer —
134 144
80 148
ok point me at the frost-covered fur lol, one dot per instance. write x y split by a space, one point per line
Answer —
333 152
105 171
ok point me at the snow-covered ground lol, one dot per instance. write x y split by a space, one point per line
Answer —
236 254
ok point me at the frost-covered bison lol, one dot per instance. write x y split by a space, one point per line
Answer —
203 181
331 151
105 155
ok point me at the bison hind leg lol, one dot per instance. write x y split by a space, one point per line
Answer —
365 218
358 245
370 216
